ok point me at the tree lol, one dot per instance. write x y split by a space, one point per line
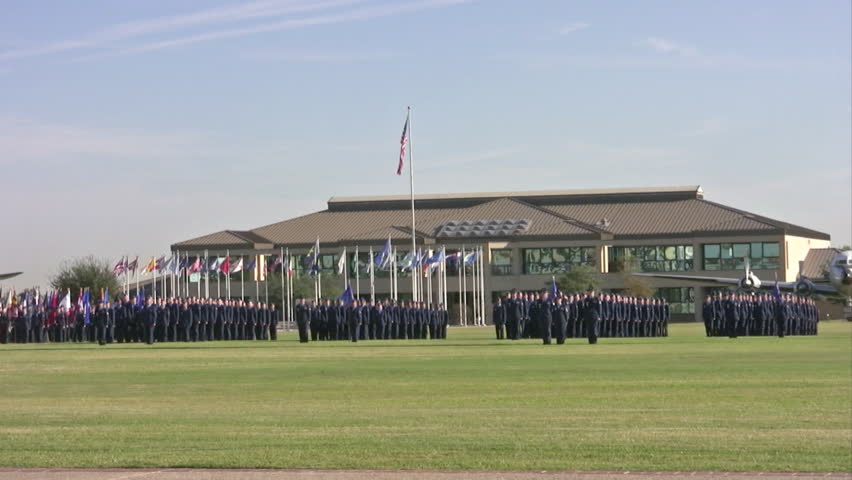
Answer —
637 287
579 279
332 287
633 285
86 272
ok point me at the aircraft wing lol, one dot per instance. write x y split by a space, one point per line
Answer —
766 285
693 278
4 276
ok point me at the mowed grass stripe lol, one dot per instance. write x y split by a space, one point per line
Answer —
682 403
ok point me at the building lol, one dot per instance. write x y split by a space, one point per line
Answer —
528 237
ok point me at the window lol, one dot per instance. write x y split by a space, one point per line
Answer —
548 261
501 262
668 258
680 299
729 256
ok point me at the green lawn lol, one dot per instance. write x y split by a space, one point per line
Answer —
470 402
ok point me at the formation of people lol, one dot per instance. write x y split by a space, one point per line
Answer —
763 314
365 320
132 320
586 315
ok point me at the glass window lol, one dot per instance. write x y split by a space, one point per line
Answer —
680 299
712 251
541 261
741 250
668 258
763 255
501 262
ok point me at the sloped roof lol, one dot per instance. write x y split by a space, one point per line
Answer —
573 214
817 260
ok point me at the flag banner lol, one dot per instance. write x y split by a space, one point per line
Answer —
238 267
347 296
383 257
341 262
225 267
161 263
403 143
151 266
132 266
120 266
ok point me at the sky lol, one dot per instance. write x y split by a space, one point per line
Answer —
128 126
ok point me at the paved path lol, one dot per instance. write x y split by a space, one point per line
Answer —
249 474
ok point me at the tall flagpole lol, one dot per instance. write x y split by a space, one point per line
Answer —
242 281
372 268
444 273
413 223
283 300
357 274
463 265
482 298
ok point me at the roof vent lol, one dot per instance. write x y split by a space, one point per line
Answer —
603 223
483 228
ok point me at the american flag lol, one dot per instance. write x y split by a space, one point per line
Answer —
403 142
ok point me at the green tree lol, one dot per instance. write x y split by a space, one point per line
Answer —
579 279
332 287
86 272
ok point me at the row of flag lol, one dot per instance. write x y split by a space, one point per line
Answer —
185 264
54 300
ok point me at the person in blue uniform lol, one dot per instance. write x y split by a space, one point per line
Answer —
591 316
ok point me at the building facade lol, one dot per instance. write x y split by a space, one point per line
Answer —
530 237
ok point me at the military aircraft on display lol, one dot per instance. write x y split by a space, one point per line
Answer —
4 276
838 276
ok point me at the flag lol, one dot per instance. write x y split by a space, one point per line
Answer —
291 267
196 265
238 267
214 265
436 259
251 264
554 290
341 262
140 300
279 260
225 267
105 296
347 296
131 267
87 311
312 259
170 264
66 300
407 261
120 266
776 292
161 262
470 258
151 266
383 257
403 142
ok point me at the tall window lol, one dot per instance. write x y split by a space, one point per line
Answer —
501 262
681 299
729 256
538 261
669 258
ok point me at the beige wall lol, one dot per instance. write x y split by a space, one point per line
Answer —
794 250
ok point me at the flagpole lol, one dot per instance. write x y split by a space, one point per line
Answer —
474 278
257 277
283 300
372 277
482 310
357 274
444 273
287 277
218 276
228 275
413 223
242 281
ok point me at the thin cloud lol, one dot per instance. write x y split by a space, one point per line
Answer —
320 56
573 27
146 27
666 46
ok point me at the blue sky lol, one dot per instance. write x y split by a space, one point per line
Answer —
127 126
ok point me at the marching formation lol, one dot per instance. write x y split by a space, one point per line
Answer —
136 320
740 315
591 315
349 319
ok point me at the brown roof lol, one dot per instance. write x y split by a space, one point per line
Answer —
582 214
817 260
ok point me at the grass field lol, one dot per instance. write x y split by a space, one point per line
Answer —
680 403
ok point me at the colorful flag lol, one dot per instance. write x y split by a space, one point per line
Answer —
403 143
225 267
132 266
66 300
87 310
251 264
196 265
291 267
554 289
120 266
238 267
312 259
152 265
